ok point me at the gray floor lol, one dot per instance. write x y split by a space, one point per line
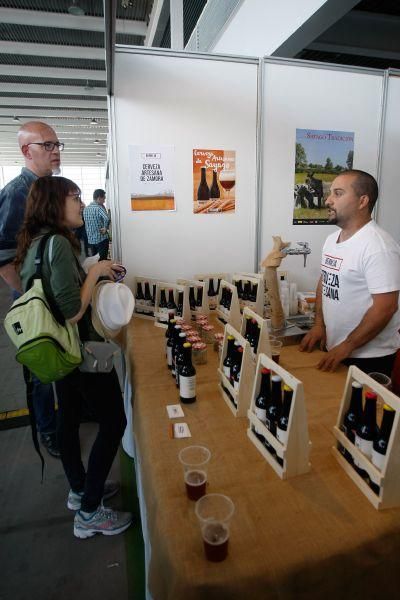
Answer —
39 556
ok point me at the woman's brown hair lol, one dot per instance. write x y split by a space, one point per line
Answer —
44 210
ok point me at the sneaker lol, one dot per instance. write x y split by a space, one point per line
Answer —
103 520
110 489
49 441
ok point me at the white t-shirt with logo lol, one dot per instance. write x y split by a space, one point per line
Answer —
367 263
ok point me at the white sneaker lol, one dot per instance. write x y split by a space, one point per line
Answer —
75 498
103 520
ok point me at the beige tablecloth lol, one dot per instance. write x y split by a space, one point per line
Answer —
313 536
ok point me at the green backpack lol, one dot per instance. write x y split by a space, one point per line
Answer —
47 344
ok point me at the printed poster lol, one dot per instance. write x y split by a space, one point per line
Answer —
320 156
214 181
151 177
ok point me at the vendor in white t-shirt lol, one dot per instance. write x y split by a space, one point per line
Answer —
357 307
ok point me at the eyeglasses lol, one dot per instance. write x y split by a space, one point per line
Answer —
49 146
76 197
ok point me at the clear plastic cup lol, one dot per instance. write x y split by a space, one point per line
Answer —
195 461
276 347
214 512
382 379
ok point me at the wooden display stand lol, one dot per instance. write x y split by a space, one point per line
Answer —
212 301
242 394
231 316
143 310
388 479
263 342
295 453
159 317
195 283
258 305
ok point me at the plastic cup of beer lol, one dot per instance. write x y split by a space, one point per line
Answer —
214 512
276 347
195 461
382 379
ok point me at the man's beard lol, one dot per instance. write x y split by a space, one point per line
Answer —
56 170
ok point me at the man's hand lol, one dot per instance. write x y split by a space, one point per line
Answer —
315 335
334 357
103 230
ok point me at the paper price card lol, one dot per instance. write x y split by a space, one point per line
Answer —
175 411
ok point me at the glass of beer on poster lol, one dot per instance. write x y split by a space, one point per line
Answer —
227 180
195 461
214 512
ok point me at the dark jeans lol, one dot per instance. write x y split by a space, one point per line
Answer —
101 248
381 364
102 394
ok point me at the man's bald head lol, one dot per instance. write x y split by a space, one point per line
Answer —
31 137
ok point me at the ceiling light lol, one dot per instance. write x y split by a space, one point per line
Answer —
98 154
16 119
93 122
75 9
88 87
96 142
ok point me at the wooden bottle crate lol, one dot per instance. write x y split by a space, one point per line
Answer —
212 301
264 346
161 318
196 284
295 453
242 394
388 478
231 316
143 310
258 305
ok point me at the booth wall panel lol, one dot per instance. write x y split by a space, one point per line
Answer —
299 97
189 103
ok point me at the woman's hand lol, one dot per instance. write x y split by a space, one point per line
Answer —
106 268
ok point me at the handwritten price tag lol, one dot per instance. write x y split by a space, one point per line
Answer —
175 411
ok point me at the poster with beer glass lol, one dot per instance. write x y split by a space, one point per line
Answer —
151 177
214 181
321 156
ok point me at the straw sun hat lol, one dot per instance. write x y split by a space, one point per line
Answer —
112 307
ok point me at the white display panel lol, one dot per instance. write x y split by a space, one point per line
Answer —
301 97
189 103
389 182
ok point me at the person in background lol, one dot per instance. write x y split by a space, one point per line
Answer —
54 205
40 148
97 222
357 306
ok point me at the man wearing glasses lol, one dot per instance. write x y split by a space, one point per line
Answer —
41 148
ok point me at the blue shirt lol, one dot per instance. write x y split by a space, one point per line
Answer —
12 208
95 217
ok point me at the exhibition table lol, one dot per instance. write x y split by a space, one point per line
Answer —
312 536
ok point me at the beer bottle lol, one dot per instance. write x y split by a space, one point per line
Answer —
253 293
366 431
282 425
139 292
228 299
262 401
171 306
162 305
218 286
236 368
147 295
214 189
254 335
274 407
239 287
179 308
192 299
179 356
352 418
247 331
203 193
211 291
228 361
199 299
170 339
175 341
380 444
153 296
187 376
245 295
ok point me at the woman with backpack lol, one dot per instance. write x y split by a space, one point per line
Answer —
54 205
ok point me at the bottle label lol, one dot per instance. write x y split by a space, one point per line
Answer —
236 383
261 414
187 386
365 446
282 435
169 356
378 459
227 371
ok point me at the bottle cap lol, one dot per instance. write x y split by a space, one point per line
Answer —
264 371
371 395
199 346
387 407
187 345
356 384
230 337
287 388
276 378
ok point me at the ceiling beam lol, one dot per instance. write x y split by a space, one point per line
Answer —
69 125
53 90
110 11
52 72
153 22
38 18
29 49
52 102
53 112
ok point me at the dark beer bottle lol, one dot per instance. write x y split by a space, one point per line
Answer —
203 193
153 296
352 418
187 376
228 361
239 286
147 295
282 425
192 299
228 299
179 308
366 432
254 335
262 401
245 295
247 331
274 407
253 293
211 291
199 299
380 444
171 306
236 368
179 356
170 339
214 189
218 286
139 292
175 341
